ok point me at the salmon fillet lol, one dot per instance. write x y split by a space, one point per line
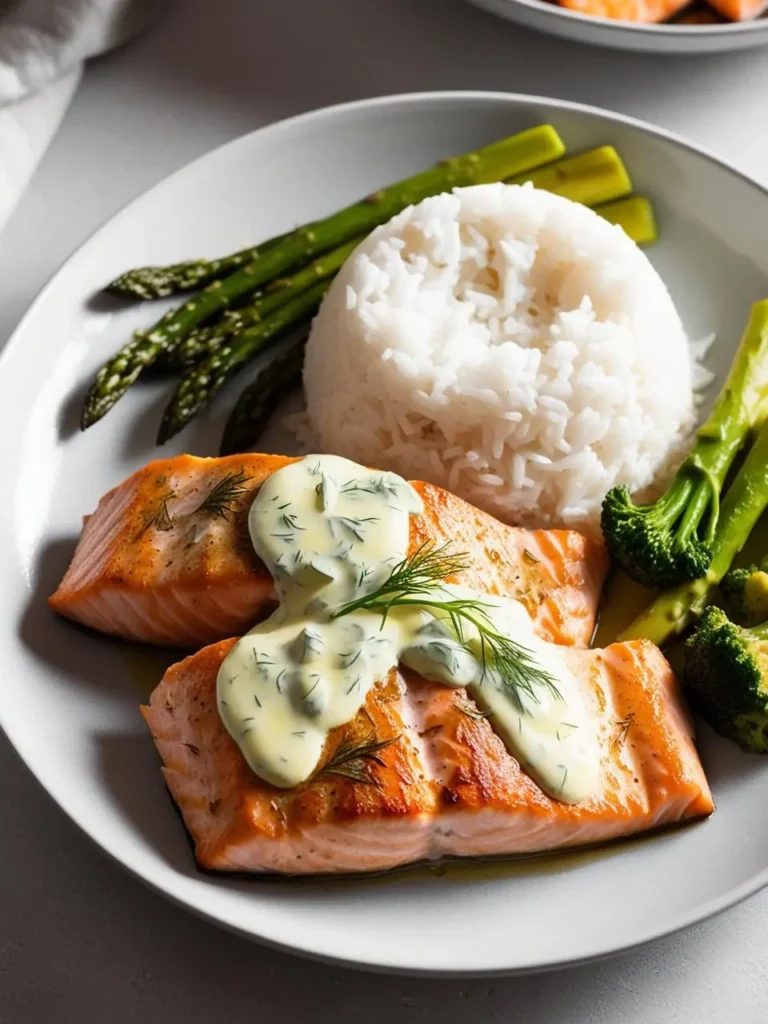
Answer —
447 785
154 566
627 10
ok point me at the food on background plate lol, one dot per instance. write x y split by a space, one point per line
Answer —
676 12
739 10
627 10
508 344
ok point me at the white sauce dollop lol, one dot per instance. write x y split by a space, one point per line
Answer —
331 531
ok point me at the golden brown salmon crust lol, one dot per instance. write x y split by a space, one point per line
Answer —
153 565
447 786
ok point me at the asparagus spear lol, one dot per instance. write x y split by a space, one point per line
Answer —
596 176
590 178
205 340
513 155
256 404
160 282
635 215
206 379
743 504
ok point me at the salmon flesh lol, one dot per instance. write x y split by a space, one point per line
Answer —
167 559
446 785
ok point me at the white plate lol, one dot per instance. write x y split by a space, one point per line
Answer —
68 701
627 35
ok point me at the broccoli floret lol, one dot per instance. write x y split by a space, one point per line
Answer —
670 541
726 671
659 545
745 594
744 503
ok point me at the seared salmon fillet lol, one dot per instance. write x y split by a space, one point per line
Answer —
446 784
167 559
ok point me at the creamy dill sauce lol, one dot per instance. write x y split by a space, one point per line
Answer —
331 531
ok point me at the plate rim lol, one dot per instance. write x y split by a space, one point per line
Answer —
46 778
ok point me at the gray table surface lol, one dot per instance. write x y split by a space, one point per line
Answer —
81 941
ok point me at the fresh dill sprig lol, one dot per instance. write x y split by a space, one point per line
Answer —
514 665
420 574
159 518
622 730
417 582
352 759
220 500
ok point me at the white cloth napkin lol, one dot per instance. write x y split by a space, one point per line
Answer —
43 44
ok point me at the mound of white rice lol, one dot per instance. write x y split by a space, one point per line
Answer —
507 344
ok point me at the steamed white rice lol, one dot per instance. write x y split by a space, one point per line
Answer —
507 344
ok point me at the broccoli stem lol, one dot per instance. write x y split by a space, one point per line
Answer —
744 503
669 541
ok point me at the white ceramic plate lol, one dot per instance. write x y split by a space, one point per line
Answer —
68 701
626 35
